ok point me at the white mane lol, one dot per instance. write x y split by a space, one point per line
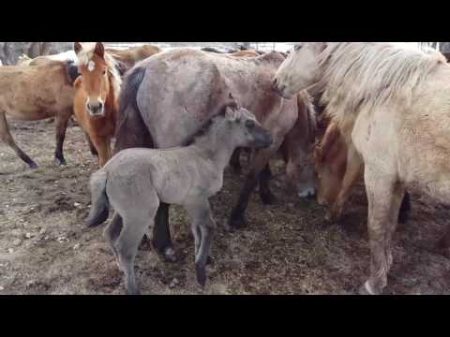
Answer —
363 75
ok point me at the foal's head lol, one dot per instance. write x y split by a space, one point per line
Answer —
243 128
98 77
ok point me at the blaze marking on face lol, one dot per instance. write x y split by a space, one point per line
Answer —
91 65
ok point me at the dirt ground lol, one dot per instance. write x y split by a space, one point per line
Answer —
288 248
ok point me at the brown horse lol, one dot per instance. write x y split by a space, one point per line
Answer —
34 93
96 97
167 98
130 56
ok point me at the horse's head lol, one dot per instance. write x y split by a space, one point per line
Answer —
300 70
94 78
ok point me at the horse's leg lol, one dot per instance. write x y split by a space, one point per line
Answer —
162 241
384 195
405 209
203 226
260 160
235 161
266 195
102 146
352 173
5 136
61 126
91 145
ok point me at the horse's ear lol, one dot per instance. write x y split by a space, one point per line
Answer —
77 47
99 49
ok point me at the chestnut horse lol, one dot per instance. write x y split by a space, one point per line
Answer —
96 97
35 93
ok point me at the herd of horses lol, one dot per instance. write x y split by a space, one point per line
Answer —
335 112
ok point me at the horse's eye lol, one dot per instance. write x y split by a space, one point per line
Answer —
104 72
249 124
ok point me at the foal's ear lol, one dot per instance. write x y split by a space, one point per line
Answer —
231 112
77 47
99 49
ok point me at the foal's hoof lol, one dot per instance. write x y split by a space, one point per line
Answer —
237 222
201 275
366 289
268 198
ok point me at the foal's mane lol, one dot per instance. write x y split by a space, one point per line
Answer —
87 53
366 75
207 124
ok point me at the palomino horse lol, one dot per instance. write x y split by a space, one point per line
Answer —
397 119
136 181
96 97
168 96
34 93
330 159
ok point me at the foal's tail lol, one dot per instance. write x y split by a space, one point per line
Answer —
100 204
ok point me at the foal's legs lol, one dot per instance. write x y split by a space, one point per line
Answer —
112 232
384 195
5 135
61 120
203 226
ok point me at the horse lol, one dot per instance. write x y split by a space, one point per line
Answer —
167 97
330 161
296 151
397 119
95 102
35 93
135 181
127 58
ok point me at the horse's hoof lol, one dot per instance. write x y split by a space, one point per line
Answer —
209 261
60 161
268 198
201 275
169 255
33 165
236 222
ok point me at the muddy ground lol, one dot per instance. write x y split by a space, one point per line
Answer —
288 248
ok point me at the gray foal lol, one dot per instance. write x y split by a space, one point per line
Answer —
136 180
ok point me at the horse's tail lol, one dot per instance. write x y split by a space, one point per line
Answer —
131 130
100 204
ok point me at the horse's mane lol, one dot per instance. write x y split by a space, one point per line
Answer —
364 75
86 54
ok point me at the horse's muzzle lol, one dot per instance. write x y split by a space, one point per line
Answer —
280 89
95 109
